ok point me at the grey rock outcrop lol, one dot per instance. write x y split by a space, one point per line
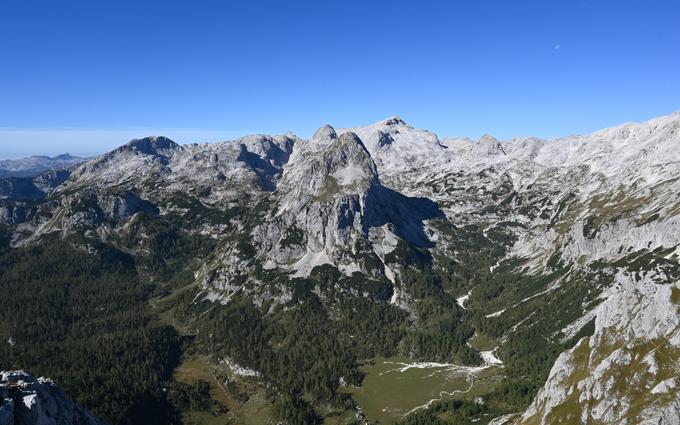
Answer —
25 400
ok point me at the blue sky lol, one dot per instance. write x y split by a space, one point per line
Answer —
87 76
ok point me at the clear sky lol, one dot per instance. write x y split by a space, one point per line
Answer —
86 76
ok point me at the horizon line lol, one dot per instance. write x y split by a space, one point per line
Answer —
113 137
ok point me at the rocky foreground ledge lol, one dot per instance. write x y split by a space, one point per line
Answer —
25 400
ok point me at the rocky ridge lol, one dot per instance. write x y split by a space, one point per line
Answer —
25 400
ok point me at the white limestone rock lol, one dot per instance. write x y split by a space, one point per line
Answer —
25 400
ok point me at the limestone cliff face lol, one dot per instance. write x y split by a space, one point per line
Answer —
628 372
329 208
322 203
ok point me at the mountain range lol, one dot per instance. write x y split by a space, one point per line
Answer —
35 165
548 270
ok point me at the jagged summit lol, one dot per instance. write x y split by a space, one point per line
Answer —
330 168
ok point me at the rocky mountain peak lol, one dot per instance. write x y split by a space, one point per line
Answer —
322 200
489 145
324 133
329 169
393 121
137 157
392 142
153 145
352 141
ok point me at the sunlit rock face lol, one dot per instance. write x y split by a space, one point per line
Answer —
25 400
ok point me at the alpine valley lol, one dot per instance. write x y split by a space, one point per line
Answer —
377 274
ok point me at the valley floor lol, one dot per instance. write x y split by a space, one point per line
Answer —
396 386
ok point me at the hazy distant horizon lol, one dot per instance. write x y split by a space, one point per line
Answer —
21 143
